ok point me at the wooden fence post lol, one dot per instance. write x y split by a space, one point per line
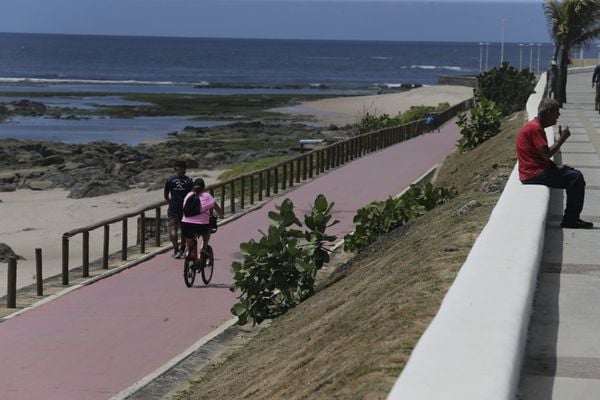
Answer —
268 185
11 285
85 254
39 279
223 198
124 240
157 226
251 189
232 196
143 238
106 242
242 192
65 260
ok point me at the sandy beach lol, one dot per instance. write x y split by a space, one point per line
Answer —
37 219
349 110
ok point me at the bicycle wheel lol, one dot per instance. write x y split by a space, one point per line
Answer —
189 272
207 268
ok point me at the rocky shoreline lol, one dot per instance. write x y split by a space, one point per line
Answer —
99 168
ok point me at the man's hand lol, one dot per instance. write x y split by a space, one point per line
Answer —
564 133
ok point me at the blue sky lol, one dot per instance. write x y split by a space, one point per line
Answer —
289 19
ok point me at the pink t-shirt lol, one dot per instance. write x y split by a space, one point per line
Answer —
207 202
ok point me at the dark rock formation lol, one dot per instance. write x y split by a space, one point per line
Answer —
6 252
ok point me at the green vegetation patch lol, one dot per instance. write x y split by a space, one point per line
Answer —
247 167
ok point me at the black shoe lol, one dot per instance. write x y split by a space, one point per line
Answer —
579 224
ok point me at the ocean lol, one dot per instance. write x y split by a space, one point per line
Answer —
74 63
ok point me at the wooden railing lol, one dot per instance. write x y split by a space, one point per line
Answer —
246 190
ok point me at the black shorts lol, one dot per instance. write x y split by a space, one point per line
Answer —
190 231
177 215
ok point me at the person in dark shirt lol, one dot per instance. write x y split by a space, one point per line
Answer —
596 82
552 79
176 188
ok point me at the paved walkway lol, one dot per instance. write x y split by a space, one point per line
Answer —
96 341
563 353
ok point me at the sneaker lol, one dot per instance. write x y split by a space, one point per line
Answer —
175 254
579 224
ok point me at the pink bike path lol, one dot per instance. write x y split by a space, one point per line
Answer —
98 340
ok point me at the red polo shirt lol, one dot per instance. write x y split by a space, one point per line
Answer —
529 139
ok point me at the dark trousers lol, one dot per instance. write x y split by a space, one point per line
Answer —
564 178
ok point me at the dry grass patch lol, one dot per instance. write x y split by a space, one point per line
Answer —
354 336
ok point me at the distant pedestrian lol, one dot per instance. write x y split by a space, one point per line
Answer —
536 167
596 82
176 188
552 79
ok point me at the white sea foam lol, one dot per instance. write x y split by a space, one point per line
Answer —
380 58
452 68
424 66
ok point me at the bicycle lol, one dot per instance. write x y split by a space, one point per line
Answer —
205 264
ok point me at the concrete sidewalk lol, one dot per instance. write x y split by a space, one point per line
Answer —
563 351
97 341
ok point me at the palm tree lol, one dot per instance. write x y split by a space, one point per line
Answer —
571 23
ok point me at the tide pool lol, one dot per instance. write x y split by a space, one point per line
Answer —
131 131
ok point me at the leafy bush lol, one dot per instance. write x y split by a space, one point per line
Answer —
279 270
370 123
380 217
507 87
483 123
416 113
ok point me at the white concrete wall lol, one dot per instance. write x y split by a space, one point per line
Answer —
474 347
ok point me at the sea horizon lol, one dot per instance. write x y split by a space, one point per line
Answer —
264 38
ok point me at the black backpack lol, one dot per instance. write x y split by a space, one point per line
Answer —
192 206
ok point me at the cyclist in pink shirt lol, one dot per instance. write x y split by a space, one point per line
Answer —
198 225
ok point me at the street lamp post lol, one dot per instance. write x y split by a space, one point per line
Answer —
521 56
481 56
487 51
502 43
530 57
539 45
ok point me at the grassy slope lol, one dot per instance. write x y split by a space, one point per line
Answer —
353 337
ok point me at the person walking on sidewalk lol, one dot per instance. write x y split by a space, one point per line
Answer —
537 168
176 188
596 82
552 79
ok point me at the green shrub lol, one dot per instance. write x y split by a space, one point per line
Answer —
370 123
279 270
507 87
379 217
484 122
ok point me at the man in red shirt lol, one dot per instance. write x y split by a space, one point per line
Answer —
536 166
